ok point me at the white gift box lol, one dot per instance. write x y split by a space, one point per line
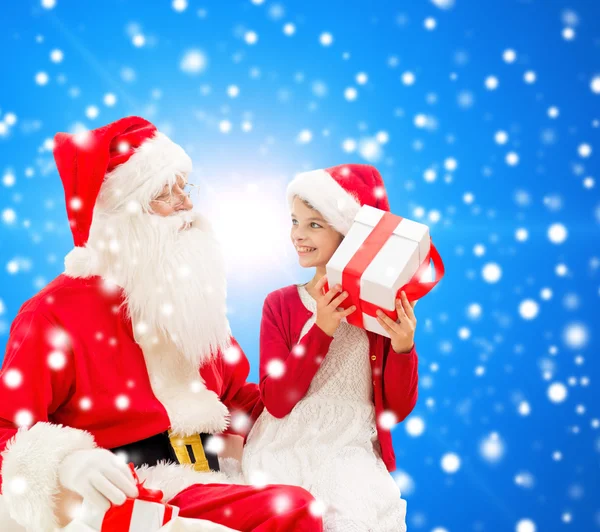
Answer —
144 514
179 524
382 252
90 520
136 514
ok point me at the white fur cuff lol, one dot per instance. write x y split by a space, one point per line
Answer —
172 478
30 472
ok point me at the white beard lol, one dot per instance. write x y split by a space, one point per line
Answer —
174 279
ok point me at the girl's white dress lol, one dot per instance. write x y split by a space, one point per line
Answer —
328 443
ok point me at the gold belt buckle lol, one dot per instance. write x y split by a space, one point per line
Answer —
182 445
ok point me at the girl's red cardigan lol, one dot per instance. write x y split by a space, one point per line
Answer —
395 376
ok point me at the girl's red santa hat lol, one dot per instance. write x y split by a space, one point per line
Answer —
112 170
339 192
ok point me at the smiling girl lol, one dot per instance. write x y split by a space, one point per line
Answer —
332 391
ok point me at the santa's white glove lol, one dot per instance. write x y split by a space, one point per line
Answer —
99 476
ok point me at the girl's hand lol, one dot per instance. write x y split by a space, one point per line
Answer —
329 316
402 332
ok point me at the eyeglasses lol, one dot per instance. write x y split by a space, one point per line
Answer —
174 203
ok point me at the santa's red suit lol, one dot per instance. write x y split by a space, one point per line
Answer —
76 377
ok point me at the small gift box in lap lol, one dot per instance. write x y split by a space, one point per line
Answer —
382 255
179 524
146 513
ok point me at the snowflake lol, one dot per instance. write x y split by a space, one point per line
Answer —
122 402
13 378
57 360
350 94
180 5
41 78
193 62
215 444
276 368
491 448
525 525
450 463
232 355
326 39
251 37
557 392
110 99
387 420
415 426
56 56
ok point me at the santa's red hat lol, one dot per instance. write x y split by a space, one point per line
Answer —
109 168
339 192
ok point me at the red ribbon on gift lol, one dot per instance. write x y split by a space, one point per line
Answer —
118 518
414 289
145 494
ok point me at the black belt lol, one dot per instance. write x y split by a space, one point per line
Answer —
163 446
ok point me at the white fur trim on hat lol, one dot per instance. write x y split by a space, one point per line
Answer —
30 472
156 163
81 262
327 196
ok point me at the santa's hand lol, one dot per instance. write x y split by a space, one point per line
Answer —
99 476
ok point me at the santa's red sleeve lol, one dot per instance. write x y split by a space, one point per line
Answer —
240 397
286 371
37 376
400 381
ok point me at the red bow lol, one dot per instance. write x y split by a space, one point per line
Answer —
145 494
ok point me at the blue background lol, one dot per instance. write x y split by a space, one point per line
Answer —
527 461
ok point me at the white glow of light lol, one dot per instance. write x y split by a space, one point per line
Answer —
237 236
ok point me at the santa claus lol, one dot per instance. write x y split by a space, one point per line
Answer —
128 356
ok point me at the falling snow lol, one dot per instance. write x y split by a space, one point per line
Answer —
489 139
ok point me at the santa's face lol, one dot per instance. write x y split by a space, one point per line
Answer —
314 239
172 199
174 279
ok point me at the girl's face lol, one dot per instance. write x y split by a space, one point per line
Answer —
314 239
